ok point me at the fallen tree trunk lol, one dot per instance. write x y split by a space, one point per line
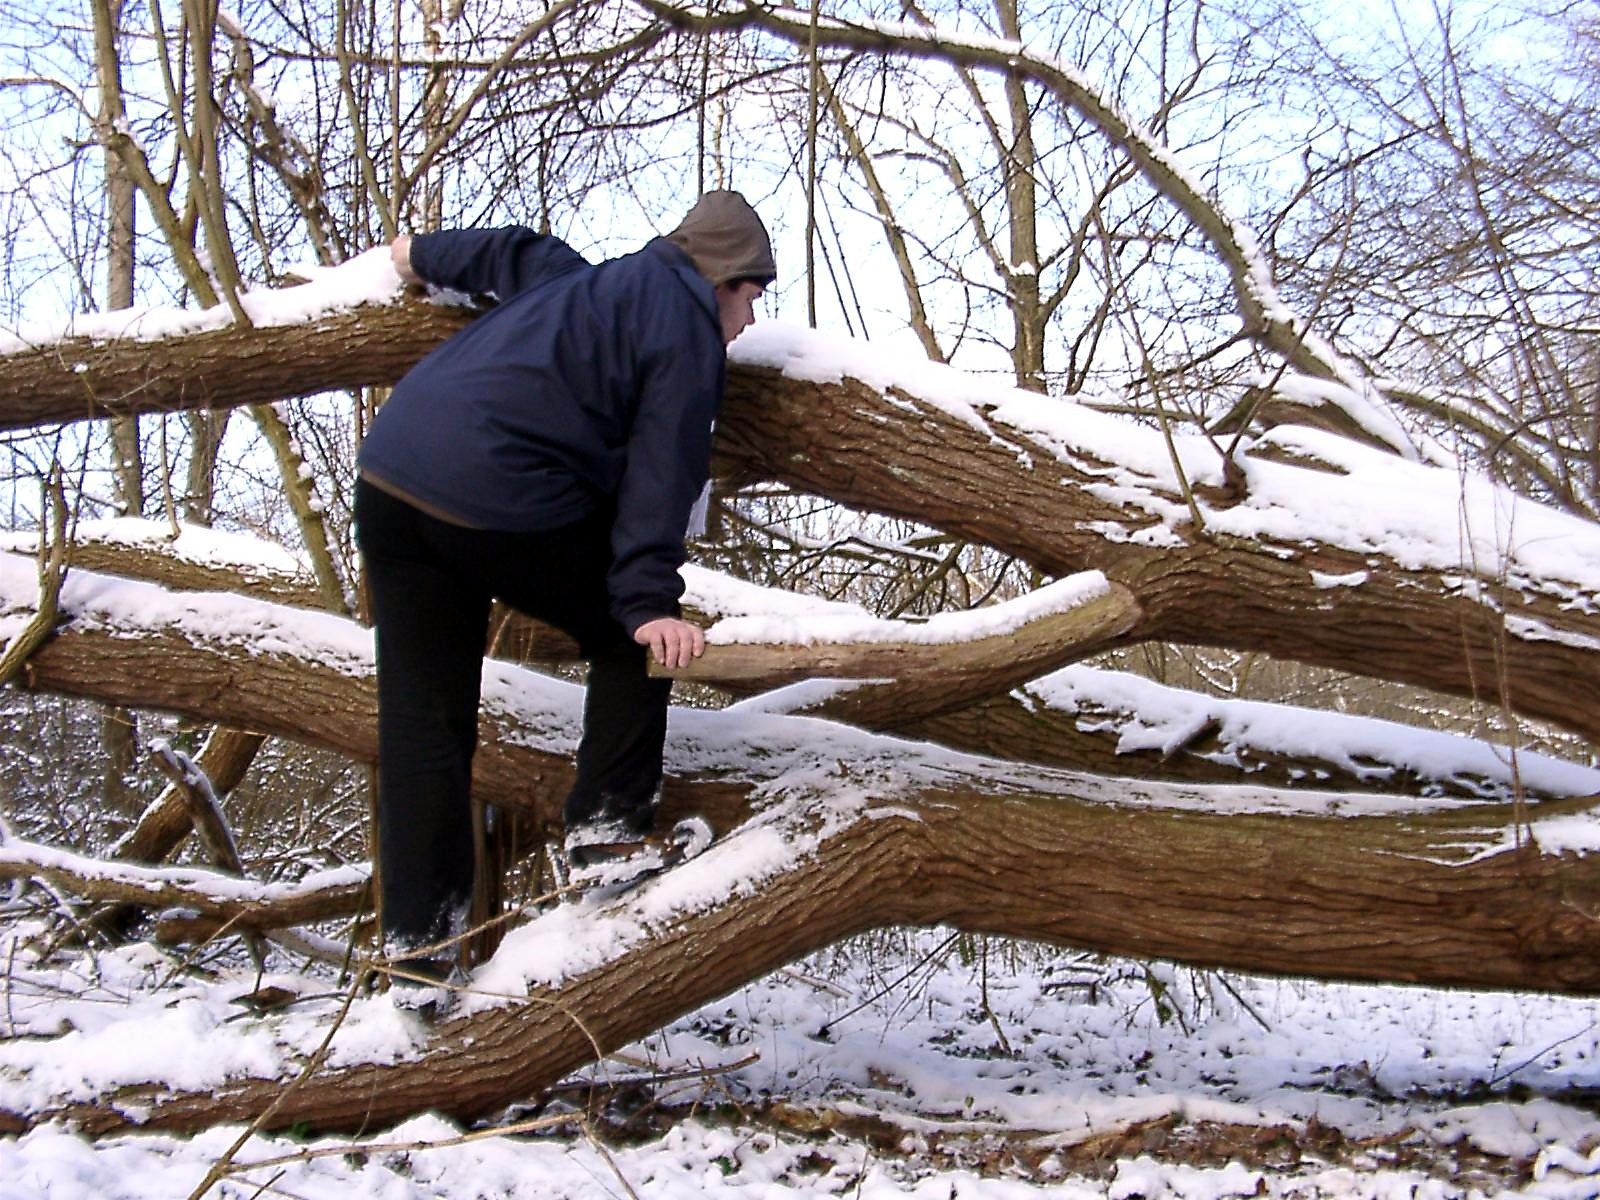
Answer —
81 378
309 676
1439 898
1482 628
973 709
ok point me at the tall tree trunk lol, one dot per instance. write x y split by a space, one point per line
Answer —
1018 162
118 730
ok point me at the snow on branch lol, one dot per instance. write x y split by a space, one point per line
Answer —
1102 720
314 897
537 714
1264 313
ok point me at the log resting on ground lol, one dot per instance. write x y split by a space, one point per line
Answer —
1441 897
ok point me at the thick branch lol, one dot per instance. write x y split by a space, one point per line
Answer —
924 677
919 678
1437 901
257 905
1486 630
1211 741
1474 628
82 378
311 699
224 759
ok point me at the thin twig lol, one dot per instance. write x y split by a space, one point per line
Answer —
307 1155
220 1167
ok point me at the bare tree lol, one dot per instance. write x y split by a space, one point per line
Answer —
1092 260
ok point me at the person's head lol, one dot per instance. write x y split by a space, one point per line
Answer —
729 245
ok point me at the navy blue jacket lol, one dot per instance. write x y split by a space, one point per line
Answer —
588 388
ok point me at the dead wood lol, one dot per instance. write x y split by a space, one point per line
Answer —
331 703
313 700
1022 727
1497 640
910 679
922 678
317 898
1439 898
80 379
973 713
158 563
223 759
204 809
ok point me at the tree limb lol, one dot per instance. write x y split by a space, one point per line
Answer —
317 897
1445 900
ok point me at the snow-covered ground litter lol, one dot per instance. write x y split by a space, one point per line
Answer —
899 1066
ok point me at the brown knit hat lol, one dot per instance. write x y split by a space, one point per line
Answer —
726 240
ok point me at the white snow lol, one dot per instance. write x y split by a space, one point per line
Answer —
368 278
1151 716
1417 516
201 545
751 614
926 1055
1079 1078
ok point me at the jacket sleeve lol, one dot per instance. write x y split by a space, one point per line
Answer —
668 461
500 262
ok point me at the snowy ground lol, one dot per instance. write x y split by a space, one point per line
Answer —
914 1065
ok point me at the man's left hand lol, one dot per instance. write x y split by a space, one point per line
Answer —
674 643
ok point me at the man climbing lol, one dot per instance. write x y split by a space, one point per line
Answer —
548 455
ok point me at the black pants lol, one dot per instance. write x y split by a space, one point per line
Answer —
431 584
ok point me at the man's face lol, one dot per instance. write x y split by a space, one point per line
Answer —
736 304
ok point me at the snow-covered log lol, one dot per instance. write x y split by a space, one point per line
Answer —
1078 718
1313 883
1437 894
171 366
1306 546
1115 723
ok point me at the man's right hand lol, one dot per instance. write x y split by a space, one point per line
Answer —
400 256
675 643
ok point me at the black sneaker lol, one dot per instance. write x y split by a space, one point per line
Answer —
427 987
598 857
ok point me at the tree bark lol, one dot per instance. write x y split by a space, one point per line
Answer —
921 678
80 378
252 676
1464 631
1519 645
1440 901
251 905
968 710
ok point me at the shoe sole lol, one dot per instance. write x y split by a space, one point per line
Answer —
685 840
